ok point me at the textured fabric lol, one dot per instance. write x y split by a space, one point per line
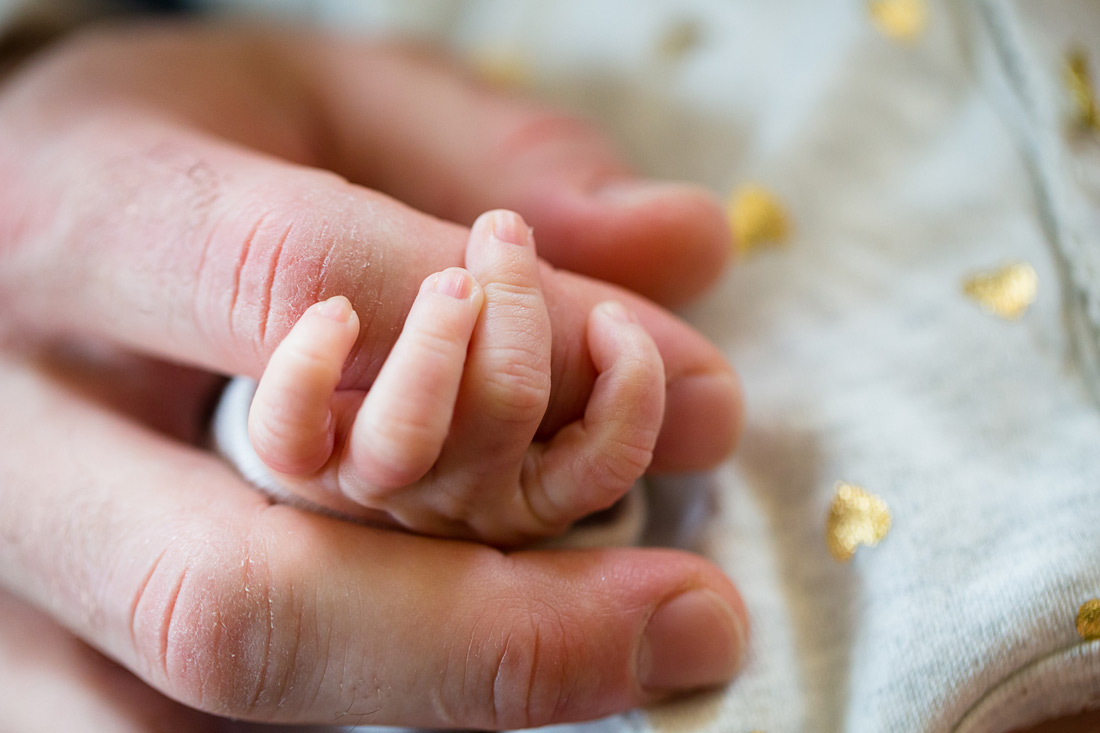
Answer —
905 169
623 524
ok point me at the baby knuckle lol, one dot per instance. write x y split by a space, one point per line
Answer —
610 473
518 296
517 386
276 439
440 345
398 460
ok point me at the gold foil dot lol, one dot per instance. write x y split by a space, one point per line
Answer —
679 40
856 517
1088 619
502 68
900 20
757 218
1078 81
1006 291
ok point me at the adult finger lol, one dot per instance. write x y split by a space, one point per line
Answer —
188 246
245 609
592 213
372 112
50 680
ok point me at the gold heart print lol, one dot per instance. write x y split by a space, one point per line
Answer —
1006 291
901 20
856 517
1088 620
756 217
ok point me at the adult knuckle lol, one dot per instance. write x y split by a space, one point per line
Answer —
268 257
273 247
517 670
204 628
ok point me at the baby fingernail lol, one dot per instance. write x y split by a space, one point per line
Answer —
337 308
617 312
632 192
691 642
454 282
508 226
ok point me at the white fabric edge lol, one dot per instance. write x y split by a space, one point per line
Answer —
229 431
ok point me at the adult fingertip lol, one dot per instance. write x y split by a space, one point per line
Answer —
636 191
703 417
681 228
693 641
667 241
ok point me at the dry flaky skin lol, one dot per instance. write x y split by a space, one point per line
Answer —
900 20
757 218
1006 291
163 202
1088 619
856 517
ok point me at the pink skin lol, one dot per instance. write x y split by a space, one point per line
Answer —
122 154
166 216
442 442
174 568
211 249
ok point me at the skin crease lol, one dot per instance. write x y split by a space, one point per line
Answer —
233 198
63 666
121 396
444 417
182 243
304 569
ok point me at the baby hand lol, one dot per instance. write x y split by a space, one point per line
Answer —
443 442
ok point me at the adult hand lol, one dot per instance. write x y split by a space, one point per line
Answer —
163 193
157 196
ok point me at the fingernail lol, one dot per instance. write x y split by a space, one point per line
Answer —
508 226
616 311
454 282
633 192
691 642
338 308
